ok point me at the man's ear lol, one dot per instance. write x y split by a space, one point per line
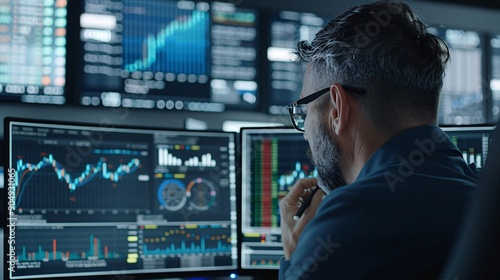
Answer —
339 113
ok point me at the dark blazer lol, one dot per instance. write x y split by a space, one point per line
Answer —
398 220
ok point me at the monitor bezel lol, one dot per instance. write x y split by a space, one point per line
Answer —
225 272
486 102
78 64
258 273
471 128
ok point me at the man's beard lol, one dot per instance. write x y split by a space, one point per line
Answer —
326 158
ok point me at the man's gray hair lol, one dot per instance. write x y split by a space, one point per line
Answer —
387 50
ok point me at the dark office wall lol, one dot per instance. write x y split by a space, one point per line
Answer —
460 16
474 15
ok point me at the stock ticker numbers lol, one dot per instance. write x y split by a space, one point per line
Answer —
33 51
273 159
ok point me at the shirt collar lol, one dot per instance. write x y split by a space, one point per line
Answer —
408 145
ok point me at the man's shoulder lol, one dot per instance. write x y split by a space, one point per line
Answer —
380 191
360 220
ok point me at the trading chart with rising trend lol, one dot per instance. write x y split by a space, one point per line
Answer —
171 40
93 200
169 55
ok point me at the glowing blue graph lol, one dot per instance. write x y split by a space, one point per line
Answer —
26 171
288 179
117 152
197 240
95 250
192 248
49 244
166 39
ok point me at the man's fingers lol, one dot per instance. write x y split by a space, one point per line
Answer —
301 187
313 207
296 196
290 229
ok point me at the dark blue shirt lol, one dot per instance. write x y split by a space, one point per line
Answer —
398 220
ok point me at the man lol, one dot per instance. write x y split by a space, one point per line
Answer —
396 188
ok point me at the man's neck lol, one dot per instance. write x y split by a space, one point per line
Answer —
365 141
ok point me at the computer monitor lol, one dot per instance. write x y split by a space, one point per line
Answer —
2 174
473 141
494 41
103 201
285 75
2 217
33 51
462 100
168 55
272 159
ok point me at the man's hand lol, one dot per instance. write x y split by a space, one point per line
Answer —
291 229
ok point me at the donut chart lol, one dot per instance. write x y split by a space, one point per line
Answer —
201 194
172 194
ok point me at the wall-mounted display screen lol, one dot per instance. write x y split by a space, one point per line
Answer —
462 96
173 55
495 76
286 29
33 51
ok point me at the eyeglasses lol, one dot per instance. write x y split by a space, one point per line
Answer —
298 109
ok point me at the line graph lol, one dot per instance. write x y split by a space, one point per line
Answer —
97 181
287 179
89 174
160 37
